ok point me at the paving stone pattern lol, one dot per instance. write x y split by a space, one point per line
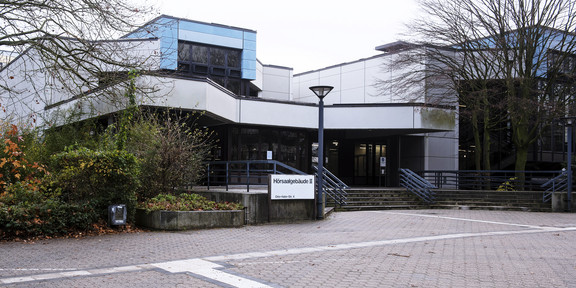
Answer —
398 248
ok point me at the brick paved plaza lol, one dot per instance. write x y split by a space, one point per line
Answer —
402 248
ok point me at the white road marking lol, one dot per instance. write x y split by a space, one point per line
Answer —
209 270
206 268
250 255
465 219
69 274
37 269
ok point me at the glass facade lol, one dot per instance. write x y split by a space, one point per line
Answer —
220 64
287 146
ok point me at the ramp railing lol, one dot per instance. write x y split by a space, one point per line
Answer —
417 185
248 173
558 183
333 187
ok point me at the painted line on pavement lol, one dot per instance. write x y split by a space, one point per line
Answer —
70 274
206 268
249 255
468 220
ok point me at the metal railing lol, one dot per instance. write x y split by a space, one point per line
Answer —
418 185
249 172
558 183
333 187
504 180
255 172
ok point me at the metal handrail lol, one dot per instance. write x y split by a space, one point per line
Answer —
488 179
248 171
558 183
333 186
417 185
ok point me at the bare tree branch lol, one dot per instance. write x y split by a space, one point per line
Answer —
494 56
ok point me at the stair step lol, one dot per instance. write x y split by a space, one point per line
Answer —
377 207
493 207
375 199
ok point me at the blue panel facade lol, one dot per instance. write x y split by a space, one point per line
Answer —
211 29
169 44
169 30
249 56
165 29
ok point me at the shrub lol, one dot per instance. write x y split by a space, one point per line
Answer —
26 212
186 202
14 165
100 177
171 150
508 185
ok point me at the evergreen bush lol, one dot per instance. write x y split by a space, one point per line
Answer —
100 177
27 212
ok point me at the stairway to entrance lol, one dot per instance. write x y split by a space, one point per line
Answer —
378 199
491 200
400 198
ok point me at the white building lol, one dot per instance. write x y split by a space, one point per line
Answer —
256 108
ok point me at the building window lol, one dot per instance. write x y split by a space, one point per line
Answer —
287 146
220 64
199 54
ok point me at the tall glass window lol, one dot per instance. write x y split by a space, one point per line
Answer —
220 64
287 146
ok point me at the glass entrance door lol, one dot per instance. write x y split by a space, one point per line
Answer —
370 164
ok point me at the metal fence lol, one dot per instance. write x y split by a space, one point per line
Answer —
503 180
417 185
248 173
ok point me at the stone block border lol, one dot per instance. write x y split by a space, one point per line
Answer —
189 220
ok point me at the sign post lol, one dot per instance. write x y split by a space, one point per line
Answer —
291 187
291 197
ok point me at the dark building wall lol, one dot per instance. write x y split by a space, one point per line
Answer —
289 146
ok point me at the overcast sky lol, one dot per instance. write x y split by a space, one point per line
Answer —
305 34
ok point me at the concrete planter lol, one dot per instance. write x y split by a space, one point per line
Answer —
188 220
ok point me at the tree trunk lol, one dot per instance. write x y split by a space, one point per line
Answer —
477 144
522 143
520 167
486 139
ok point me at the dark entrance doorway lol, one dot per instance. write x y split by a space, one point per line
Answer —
370 164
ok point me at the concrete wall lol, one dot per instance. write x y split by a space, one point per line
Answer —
286 211
186 220
256 204
355 83
259 209
560 202
277 83
31 87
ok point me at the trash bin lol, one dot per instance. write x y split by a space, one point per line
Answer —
117 214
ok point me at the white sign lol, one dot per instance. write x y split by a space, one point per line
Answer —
268 155
383 162
290 187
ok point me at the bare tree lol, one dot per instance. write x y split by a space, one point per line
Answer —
61 49
511 56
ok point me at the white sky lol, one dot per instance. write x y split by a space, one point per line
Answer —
305 34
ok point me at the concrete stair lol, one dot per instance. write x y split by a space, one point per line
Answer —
491 200
400 198
378 199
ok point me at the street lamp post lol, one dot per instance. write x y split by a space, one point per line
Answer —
321 92
569 121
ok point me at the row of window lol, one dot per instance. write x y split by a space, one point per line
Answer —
220 64
208 55
206 70
563 62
